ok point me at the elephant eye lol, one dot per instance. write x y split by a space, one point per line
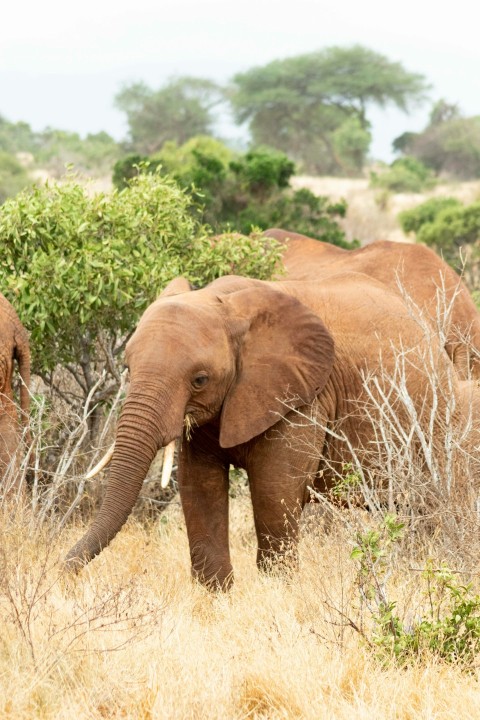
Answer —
200 381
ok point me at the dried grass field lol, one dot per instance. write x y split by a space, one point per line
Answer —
132 637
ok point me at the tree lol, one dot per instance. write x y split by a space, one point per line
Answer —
13 176
296 104
449 145
16 137
179 110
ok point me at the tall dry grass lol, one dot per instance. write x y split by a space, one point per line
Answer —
131 636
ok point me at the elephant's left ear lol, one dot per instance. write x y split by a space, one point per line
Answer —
285 355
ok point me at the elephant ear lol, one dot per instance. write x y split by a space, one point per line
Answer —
285 355
176 286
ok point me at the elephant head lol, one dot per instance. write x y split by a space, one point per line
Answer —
226 356
14 346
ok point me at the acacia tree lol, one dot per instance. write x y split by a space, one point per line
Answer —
177 111
299 103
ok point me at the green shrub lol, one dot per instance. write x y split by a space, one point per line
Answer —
81 269
131 166
404 175
243 192
448 625
412 220
452 229
262 170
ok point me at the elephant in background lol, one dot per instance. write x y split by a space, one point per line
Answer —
14 346
415 270
251 373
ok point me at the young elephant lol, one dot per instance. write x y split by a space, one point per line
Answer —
13 346
260 370
413 271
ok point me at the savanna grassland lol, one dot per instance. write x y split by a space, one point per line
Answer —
133 637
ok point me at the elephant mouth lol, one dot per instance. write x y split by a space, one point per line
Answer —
190 422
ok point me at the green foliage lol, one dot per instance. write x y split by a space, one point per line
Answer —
452 229
95 154
449 145
302 211
54 149
346 484
131 166
448 627
261 170
13 177
412 220
16 137
351 142
404 175
244 191
81 269
297 104
178 111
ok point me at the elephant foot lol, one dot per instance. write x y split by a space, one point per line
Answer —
220 582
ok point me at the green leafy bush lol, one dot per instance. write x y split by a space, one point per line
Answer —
406 174
412 220
80 269
242 192
262 170
448 625
452 229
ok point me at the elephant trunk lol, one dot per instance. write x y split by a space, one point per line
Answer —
139 436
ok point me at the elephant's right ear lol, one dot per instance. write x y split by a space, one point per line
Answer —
176 286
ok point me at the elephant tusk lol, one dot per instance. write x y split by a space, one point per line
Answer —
101 464
168 454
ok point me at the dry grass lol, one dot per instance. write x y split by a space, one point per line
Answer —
372 213
133 637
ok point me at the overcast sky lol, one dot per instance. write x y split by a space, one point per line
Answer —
62 63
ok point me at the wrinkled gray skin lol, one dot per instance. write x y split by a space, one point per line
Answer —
14 347
226 356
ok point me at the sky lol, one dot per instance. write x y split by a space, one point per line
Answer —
61 64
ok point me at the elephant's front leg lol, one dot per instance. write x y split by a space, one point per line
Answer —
203 483
281 466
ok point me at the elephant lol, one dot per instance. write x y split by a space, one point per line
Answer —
250 373
14 346
407 268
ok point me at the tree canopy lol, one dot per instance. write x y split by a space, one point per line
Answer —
297 104
449 145
177 111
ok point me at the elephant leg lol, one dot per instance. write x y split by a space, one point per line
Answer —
203 484
279 470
